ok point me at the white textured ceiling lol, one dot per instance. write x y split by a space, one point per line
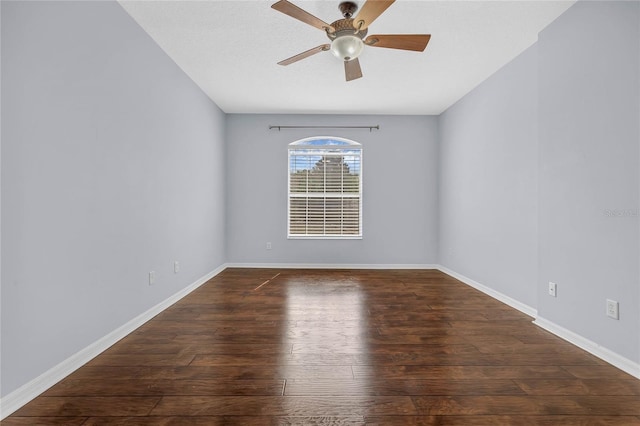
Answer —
231 49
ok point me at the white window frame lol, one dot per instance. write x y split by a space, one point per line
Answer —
305 148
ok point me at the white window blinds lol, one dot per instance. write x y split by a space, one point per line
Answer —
325 189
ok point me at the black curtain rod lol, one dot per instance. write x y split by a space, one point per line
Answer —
377 127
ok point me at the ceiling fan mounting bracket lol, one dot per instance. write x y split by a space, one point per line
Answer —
348 8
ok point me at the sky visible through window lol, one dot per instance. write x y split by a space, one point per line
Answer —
318 148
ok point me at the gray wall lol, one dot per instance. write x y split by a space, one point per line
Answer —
540 176
399 191
488 182
589 82
112 166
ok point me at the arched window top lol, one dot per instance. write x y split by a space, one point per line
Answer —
325 141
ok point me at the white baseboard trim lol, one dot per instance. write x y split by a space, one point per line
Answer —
331 266
593 348
524 308
27 392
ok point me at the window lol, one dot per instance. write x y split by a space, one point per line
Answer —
325 188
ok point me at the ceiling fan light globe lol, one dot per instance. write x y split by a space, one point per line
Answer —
347 47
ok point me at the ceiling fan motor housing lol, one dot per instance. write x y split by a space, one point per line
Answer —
346 42
345 26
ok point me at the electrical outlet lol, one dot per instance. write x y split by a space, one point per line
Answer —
152 277
553 289
269 246
612 309
176 267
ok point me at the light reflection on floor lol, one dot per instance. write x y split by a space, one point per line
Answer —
328 327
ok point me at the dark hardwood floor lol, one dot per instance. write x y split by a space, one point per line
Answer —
274 347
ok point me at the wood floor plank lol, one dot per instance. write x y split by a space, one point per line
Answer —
159 387
44 421
224 421
528 405
127 347
146 359
46 406
279 359
339 347
233 372
597 372
397 387
518 347
579 386
284 406
451 356
459 372
493 420
441 347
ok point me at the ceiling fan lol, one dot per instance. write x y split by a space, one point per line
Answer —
347 35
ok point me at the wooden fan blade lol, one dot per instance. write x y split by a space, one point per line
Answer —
417 42
300 56
370 12
352 69
301 15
